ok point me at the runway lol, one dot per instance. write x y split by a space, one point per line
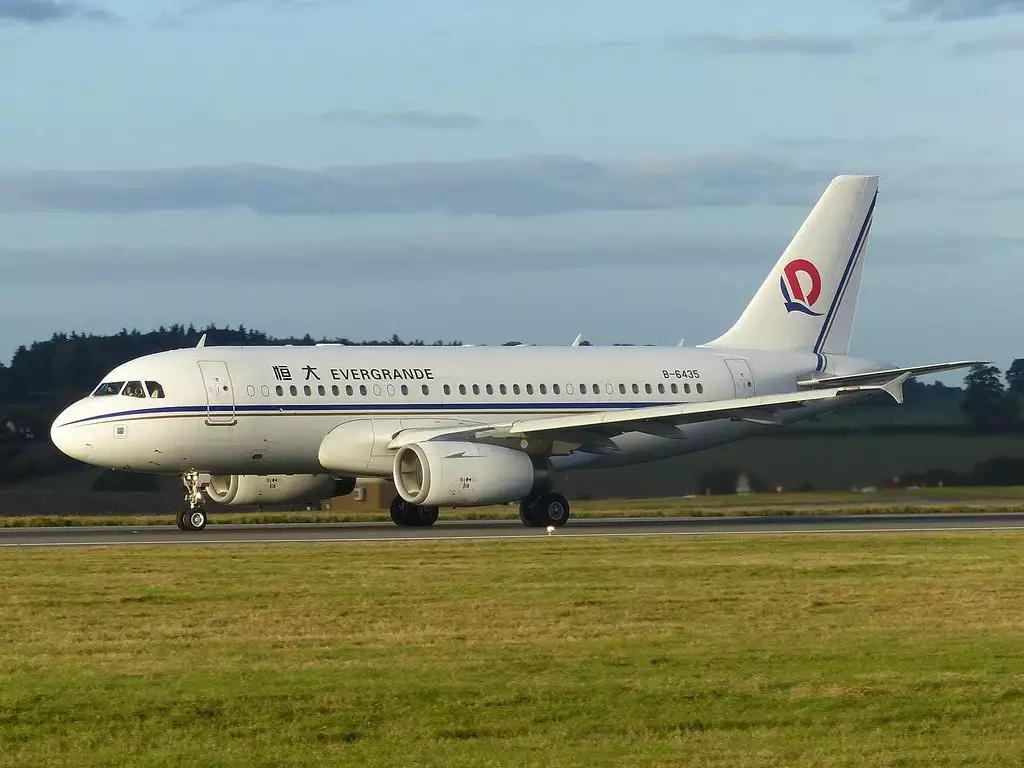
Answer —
94 536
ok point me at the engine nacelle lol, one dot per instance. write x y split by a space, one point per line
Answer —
455 474
240 490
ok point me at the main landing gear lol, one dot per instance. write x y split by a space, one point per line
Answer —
405 514
544 510
192 517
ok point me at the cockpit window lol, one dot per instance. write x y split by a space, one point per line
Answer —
155 390
134 389
108 388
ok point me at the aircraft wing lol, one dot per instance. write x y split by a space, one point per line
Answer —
885 375
596 427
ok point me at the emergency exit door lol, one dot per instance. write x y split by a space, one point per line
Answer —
220 396
742 379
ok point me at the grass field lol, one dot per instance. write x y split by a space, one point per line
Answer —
912 500
890 649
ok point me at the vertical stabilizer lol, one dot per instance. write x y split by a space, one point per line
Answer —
809 300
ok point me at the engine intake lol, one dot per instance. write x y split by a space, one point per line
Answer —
460 474
241 490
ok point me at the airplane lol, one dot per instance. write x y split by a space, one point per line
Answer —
474 426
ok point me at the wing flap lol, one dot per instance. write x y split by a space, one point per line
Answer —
596 427
684 413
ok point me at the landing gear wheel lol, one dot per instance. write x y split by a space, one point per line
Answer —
527 512
424 516
544 510
399 511
405 515
182 520
196 519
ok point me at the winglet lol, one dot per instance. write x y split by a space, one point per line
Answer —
202 341
577 340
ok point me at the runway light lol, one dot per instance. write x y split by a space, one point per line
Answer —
551 529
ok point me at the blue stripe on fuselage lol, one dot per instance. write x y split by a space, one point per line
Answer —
329 408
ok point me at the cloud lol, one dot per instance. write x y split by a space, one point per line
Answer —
770 45
954 10
984 46
521 186
199 6
757 45
410 119
48 11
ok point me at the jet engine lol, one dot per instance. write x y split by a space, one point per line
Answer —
241 490
459 474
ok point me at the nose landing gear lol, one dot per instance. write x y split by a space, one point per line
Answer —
192 517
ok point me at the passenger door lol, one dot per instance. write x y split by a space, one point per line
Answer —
220 395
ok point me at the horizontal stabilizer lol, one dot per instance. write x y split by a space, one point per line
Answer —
887 375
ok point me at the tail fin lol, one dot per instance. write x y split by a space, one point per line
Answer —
808 301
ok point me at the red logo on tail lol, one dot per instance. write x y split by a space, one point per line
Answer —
797 300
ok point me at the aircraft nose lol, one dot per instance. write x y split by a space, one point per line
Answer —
69 439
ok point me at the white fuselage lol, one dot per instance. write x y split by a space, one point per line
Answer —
264 410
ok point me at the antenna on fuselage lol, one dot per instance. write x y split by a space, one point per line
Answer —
202 341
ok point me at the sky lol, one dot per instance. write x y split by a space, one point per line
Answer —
490 172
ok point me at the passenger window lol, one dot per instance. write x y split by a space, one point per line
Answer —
647 388
335 391
462 389
636 390
555 389
622 389
294 390
134 389
447 389
700 389
321 391
569 389
405 389
490 389
503 389
307 391
280 391
529 389
686 388
515 389
675 389
362 390
425 389
348 390
543 389
583 389
476 389
155 390
597 390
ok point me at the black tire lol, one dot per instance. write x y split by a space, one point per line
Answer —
528 512
196 519
182 520
402 512
551 509
422 516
